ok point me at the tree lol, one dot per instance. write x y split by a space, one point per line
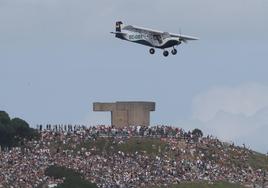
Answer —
21 127
4 118
14 132
197 132
6 135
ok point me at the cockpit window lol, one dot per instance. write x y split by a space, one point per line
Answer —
158 38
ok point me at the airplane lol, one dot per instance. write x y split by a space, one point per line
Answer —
151 38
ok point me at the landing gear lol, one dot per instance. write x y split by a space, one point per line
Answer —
174 51
165 53
152 51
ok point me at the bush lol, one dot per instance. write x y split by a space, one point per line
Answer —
72 179
60 172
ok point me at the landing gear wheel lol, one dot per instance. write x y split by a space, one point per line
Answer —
174 51
152 51
165 53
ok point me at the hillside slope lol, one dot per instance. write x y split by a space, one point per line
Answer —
148 157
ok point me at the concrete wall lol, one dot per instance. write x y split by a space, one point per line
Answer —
127 113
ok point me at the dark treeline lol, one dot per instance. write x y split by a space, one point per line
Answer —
13 132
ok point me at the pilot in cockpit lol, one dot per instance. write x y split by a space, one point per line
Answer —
158 38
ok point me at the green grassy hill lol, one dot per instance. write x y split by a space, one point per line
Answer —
156 146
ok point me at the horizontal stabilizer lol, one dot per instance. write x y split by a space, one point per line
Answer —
120 33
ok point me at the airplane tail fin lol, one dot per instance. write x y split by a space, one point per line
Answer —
118 26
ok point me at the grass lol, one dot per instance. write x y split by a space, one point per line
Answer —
156 146
151 146
258 161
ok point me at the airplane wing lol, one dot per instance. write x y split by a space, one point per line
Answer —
141 29
184 38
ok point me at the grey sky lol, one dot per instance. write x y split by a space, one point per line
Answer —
57 57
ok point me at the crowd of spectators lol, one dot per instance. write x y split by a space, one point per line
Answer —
186 157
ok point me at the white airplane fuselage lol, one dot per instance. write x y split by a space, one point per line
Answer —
147 38
150 37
